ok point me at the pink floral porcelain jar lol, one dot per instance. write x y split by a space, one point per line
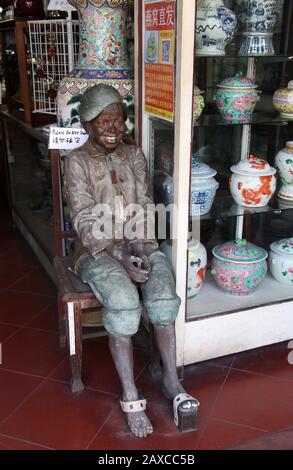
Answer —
236 98
239 267
253 182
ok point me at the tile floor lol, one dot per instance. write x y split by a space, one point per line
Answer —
246 399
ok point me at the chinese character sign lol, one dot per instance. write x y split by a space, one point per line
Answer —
159 58
66 138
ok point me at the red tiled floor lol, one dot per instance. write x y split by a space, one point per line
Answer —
282 440
256 401
18 308
47 319
6 331
8 443
115 434
219 435
271 361
97 373
20 254
32 351
37 282
56 418
10 274
14 388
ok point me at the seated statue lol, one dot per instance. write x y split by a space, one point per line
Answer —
107 172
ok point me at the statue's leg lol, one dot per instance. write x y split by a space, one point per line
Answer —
162 303
121 349
121 316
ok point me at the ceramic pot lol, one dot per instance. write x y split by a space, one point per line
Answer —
30 9
215 27
203 188
281 261
284 163
239 267
283 101
236 98
197 263
103 58
259 18
253 182
198 103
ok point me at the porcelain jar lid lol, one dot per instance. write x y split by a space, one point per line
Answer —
238 81
240 251
283 247
253 166
197 91
201 170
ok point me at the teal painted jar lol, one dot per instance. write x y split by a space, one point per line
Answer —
236 98
239 267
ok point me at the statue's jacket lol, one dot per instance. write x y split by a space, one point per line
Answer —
88 182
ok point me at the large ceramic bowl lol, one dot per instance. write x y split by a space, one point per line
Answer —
253 182
236 98
239 267
283 101
281 261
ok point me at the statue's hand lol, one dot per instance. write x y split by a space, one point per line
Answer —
137 268
143 248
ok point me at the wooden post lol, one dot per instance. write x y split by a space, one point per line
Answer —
20 26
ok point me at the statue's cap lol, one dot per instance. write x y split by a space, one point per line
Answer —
96 99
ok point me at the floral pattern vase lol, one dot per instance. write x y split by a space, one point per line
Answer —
236 98
259 18
284 163
239 267
215 27
103 58
198 103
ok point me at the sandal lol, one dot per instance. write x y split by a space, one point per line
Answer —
133 406
185 409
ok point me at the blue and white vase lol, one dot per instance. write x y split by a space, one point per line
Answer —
215 27
203 188
259 18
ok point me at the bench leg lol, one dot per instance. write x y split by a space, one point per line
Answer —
61 322
75 345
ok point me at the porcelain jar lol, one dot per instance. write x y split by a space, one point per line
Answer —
103 58
253 182
259 18
239 267
203 188
281 261
215 27
283 101
197 264
198 103
236 98
284 163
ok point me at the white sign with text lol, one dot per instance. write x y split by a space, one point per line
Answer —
66 138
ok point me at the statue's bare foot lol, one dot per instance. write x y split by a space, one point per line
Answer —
137 420
139 424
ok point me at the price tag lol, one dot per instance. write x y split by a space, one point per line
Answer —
65 138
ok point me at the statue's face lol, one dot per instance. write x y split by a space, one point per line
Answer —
108 127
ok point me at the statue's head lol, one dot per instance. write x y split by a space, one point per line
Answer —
102 115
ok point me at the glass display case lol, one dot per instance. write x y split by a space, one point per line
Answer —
215 160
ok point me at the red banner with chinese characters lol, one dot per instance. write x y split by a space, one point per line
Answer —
159 23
